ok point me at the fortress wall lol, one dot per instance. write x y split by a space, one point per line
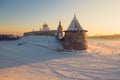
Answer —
45 33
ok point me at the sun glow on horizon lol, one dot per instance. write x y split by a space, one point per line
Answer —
99 17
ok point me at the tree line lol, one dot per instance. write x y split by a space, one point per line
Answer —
106 36
4 37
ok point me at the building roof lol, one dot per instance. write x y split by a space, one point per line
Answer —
45 24
59 26
75 26
45 27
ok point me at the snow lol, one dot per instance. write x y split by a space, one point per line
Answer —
60 36
37 58
74 25
46 41
104 46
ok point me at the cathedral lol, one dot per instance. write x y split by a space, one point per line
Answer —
74 37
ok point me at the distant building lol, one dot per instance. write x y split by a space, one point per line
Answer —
45 27
74 39
45 31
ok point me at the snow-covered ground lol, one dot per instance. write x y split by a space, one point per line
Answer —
41 58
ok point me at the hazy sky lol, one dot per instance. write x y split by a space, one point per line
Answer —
96 16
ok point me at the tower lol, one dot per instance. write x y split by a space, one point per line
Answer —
45 27
59 31
75 36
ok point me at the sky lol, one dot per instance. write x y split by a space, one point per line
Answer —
99 17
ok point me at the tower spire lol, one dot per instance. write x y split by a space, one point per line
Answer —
60 31
74 25
74 15
59 22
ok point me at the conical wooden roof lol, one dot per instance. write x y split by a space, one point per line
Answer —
74 25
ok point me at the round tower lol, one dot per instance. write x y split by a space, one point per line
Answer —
75 36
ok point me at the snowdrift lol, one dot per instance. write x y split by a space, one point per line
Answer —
35 58
104 46
45 41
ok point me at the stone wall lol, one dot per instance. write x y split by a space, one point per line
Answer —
44 33
76 40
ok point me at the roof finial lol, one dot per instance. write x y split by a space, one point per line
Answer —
59 22
74 15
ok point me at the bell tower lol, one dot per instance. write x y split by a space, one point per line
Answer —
59 31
